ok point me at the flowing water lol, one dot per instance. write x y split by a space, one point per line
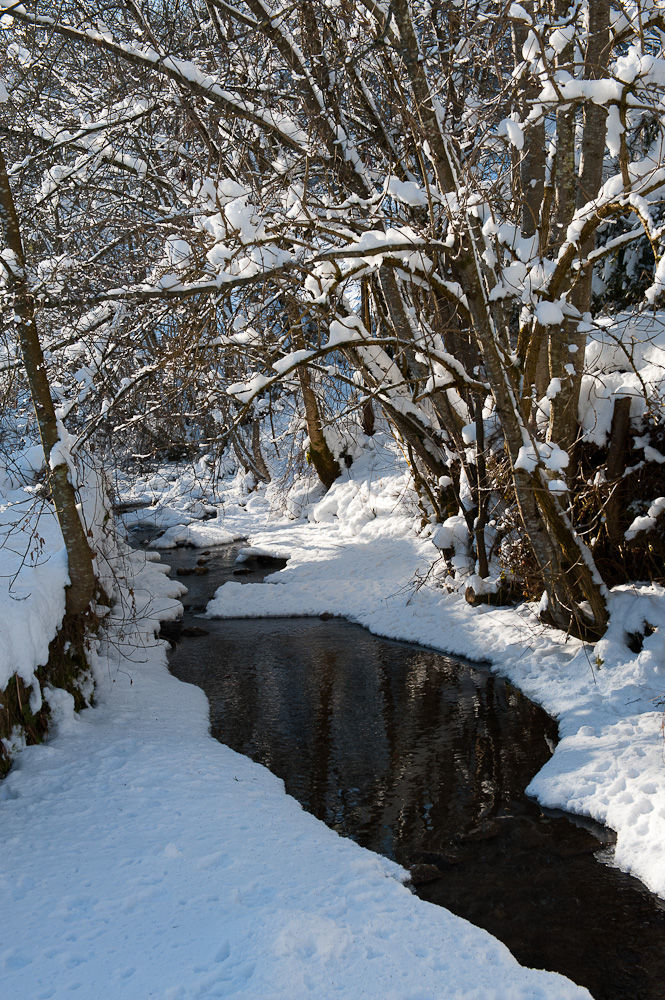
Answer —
423 758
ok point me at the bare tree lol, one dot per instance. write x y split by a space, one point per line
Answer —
428 182
16 292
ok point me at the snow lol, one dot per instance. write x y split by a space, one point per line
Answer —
549 454
624 356
59 454
517 13
609 762
452 534
245 391
392 236
561 37
549 313
656 289
554 388
292 360
33 574
346 331
142 858
513 130
200 534
164 864
647 522
407 192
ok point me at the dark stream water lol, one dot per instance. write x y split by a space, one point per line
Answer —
425 759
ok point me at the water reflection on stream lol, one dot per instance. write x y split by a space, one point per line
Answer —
425 759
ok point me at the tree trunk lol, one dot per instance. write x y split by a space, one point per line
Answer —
532 160
616 466
259 460
320 455
82 582
564 424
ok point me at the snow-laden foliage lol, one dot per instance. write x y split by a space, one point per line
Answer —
403 203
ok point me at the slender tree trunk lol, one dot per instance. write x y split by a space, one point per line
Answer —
481 491
532 160
567 347
615 468
82 585
320 455
367 410
259 460
563 410
532 188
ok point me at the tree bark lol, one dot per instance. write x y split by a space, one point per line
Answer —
320 455
257 454
568 365
616 466
82 581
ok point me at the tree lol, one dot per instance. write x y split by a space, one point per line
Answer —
420 188
16 292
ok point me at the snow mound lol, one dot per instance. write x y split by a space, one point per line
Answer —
33 576
164 864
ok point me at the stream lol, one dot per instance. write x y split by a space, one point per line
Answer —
423 758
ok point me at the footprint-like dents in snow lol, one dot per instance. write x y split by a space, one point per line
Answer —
210 861
230 972
73 961
641 808
223 952
132 902
16 959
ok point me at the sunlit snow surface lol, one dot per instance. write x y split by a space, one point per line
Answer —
33 574
358 553
360 557
141 858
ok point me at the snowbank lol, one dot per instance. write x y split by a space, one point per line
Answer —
359 557
199 533
33 576
142 858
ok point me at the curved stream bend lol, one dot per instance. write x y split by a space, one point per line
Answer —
424 758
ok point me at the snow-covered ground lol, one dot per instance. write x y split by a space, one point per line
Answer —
33 574
141 858
607 700
359 553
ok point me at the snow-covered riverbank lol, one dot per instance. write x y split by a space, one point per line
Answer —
609 762
360 554
141 858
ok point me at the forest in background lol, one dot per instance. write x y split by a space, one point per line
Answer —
226 224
